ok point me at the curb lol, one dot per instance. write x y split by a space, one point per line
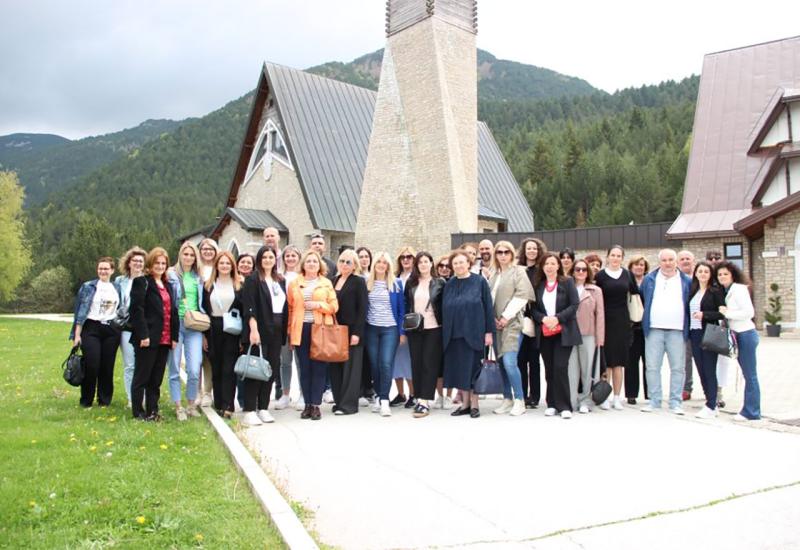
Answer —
290 527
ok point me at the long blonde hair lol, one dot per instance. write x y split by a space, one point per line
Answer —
209 284
178 267
508 246
381 257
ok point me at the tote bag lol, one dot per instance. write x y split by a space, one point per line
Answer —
330 343
635 308
490 379
721 340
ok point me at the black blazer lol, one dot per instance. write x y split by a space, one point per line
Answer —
237 302
257 302
352 304
147 311
709 305
436 288
566 311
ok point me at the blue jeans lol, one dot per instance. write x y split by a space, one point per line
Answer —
312 373
706 366
381 344
190 345
512 378
671 342
748 342
128 361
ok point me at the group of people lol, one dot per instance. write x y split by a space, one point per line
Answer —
426 324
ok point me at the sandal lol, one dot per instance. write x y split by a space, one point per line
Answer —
421 411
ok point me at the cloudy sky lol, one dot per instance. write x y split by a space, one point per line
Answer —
89 67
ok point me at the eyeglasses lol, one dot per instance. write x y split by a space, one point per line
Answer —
345 262
580 269
502 252
407 257
207 249
443 266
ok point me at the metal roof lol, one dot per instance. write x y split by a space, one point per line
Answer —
327 126
489 214
251 219
737 92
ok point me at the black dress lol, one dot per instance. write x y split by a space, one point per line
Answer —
619 334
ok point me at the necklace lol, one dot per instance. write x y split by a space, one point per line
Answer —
550 287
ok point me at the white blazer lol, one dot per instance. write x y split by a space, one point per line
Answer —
740 311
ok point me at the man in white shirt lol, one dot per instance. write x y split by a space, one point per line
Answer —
665 293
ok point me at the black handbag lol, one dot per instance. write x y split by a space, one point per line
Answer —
122 321
412 322
721 340
490 379
601 389
74 371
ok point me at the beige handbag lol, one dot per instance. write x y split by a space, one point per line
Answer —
635 308
528 328
196 320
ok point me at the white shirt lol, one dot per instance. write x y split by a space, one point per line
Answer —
581 289
549 301
104 304
222 296
666 309
694 307
613 273
278 295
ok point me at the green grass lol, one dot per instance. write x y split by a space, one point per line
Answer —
74 478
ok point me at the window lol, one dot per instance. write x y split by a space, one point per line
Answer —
270 145
734 253
276 144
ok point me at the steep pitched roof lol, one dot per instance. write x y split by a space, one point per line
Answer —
327 126
251 219
737 92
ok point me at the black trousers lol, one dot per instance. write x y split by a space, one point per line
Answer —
257 392
556 373
635 354
148 373
427 357
346 380
528 363
223 350
99 345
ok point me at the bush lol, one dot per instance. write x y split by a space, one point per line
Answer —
49 292
773 314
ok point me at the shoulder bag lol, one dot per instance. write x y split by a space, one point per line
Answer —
721 340
412 322
490 379
231 320
252 367
73 367
330 343
635 308
601 389
195 320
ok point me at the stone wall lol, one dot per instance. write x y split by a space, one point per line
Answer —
780 253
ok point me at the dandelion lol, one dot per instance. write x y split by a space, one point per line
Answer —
108 454
92 449
141 520
142 448
198 537
52 495
32 504
112 419
72 440
33 441
163 447
109 443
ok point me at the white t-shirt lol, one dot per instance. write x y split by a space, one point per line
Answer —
278 295
694 307
105 302
222 296
549 301
666 309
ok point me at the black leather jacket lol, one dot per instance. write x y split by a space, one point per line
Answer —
436 288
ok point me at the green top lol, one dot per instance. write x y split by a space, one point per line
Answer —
190 294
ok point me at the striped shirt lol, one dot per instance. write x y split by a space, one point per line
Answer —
308 291
379 310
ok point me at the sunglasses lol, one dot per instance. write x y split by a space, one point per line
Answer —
346 262
502 252
580 269
445 266
407 257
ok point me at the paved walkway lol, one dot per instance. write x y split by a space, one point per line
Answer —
401 482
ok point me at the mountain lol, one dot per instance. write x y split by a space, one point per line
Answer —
498 79
46 163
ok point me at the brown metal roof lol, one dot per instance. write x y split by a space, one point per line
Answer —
737 87
753 225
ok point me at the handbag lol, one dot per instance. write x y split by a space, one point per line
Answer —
232 322
330 343
489 380
122 320
635 308
721 340
601 389
74 370
252 367
196 320
412 322
548 332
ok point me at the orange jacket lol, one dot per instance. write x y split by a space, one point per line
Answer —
323 293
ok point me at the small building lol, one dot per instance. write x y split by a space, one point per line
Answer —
301 166
742 191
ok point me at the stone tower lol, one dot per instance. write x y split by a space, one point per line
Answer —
421 177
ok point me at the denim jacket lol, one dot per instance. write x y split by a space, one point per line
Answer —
177 288
648 289
83 302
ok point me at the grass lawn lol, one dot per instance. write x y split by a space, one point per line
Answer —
74 478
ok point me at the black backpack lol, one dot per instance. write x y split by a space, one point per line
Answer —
74 370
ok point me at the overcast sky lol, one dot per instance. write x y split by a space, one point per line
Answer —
88 67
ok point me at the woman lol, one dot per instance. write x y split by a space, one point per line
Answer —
154 316
705 299
265 318
402 358
529 255
288 267
311 299
443 269
367 391
245 264
511 293
351 293
557 332
444 399
591 323
95 306
208 252
739 312
617 283
221 295
364 261
423 295
385 310
131 265
467 329
638 267
567 258
185 280
595 262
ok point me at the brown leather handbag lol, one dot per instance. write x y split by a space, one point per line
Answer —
330 342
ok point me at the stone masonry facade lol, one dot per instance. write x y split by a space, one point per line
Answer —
781 261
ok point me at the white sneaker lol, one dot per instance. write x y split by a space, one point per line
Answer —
251 419
505 407
647 409
583 409
618 403
327 397
376 405
518 408
437 403
705 412
447 403
566 415
549 411
677 410
386 410
363 402
265 417
206 400
300 404
282 403
739 418
181 413
606 405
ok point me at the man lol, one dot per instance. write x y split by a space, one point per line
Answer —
714 257
318 245
273 239
485 252
665 292
686 265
